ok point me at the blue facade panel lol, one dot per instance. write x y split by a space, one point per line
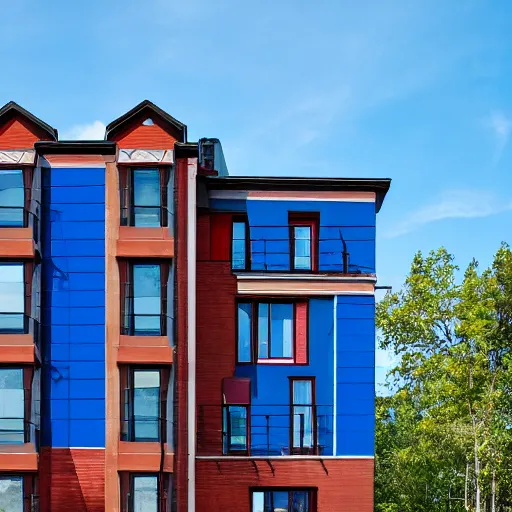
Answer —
74 307
270 388
355 375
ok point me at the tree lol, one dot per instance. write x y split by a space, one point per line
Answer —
452 342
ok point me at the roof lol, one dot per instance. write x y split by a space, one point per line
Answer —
13 108
378 185
118 124
70 147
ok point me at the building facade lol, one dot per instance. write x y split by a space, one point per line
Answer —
176 339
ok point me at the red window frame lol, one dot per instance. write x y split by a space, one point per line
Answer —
304 219
300 334
306 450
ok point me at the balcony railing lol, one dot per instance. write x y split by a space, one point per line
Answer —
19 323
16 430
271 249
265 430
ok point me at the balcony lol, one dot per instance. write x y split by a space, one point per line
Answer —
19 229
264 431
19 444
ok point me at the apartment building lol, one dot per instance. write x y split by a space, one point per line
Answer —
173 338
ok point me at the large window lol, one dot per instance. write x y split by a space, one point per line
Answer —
140 492
143 407
144 302
12 406
240 244
272 332
282 500
11 493
303 415
12 298
12 198
144 197
304 241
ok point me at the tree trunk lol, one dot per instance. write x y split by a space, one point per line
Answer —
493 491
477 478
466 504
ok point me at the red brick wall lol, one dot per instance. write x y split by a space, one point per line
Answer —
181 359
348 486
72 480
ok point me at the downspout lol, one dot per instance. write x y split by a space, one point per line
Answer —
191 329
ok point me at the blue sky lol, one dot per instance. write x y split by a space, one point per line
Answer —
416 91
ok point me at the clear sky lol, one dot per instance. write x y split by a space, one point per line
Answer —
420 92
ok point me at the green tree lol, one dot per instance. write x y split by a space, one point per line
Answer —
452 342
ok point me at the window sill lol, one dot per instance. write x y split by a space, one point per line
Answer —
143 456
17 242
134 242
17 348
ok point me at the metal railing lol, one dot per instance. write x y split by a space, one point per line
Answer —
269 430
16 430
271 249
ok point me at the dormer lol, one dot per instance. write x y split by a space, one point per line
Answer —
146 126
19 129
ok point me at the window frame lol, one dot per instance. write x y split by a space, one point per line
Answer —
28 277
241 219
127 489
127 193
312 495
127 295
127 388
254 334
305 219
28 176
306 450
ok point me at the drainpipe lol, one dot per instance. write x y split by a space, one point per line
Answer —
191 329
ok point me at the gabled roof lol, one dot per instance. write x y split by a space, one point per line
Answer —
152 110
12 108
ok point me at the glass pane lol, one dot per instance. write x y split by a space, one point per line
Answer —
11 493
12 298
147 301
12 406
276 501
281 330
263 331
146 193
146 404
300 501
244 333
302 260
145 494
302 414
238 255
258 502
12 198
238 428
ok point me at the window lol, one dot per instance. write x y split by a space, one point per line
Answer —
244 332
144 197
12 298
240 245
275 331
145 493
11 493
12 198
143 403
304 241
12 406
145 298
234 428
282 500
303 416
272 332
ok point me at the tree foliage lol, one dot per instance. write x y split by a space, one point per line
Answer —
444 437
